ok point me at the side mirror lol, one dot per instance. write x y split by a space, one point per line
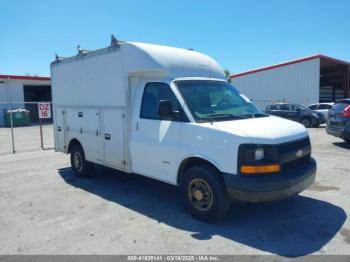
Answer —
165 109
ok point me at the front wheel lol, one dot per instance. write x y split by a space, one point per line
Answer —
80 166
306 122
204 194
315 123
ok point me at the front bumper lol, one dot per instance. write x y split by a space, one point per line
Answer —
272 187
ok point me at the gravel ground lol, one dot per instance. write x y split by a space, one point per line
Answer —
26 139
44 209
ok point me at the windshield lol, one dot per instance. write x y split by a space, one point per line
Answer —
216 101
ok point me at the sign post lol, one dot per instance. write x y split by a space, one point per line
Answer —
44 110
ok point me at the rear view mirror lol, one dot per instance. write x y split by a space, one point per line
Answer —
165 109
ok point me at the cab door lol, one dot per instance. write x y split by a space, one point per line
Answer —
155 141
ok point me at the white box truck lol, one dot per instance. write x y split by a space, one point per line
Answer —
169 114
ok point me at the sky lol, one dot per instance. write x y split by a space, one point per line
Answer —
239 34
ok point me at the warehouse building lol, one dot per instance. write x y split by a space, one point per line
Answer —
304 81
17 90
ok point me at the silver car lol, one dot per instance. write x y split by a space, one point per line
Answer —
323 108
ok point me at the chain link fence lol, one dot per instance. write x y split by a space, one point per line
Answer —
21 129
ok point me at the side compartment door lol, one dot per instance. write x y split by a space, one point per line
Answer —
83 124
113 120
60 129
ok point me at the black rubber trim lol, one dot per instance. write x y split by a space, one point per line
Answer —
258 188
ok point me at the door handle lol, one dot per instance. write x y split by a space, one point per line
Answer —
107 136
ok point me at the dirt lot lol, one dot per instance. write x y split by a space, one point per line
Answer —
44 209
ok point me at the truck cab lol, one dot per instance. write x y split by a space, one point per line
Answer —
171 115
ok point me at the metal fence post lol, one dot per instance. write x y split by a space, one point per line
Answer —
11 119
12 135
41 134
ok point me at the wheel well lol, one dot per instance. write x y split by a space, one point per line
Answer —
72 143
190 162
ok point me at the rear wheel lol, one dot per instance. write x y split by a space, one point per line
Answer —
80 166
306 122
204 193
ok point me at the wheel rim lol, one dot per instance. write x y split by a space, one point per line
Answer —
200 194
306 122
78 161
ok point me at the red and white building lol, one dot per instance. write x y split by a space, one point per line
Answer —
15 90
304 81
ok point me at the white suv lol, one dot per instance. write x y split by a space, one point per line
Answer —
322 108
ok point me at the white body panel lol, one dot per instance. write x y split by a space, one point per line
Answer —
296 83
101 95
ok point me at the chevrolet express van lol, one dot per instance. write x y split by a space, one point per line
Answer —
169 114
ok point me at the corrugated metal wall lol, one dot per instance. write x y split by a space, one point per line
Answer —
296 83
10 91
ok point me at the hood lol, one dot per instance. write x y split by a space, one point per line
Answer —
265 130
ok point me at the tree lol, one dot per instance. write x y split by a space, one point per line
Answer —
227 74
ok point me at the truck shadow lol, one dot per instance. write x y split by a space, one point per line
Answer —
293 227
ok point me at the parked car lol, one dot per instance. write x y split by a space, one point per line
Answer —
321 108
170 114
338 121
295 112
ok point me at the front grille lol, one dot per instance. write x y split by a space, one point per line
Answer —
295 164
294 155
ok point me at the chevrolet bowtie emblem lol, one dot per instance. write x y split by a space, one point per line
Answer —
299 153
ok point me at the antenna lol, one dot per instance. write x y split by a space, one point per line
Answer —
114 41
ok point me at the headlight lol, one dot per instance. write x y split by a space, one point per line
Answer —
259 154
258 159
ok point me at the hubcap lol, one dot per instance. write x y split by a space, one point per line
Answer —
200 194
78 161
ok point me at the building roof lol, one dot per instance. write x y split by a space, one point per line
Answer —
300 60
18 77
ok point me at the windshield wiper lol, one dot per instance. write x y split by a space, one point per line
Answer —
221 116
255 115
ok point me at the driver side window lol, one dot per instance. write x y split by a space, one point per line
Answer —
285 107
153 94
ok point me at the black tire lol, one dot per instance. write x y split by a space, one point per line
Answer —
306 122
314 123
80 166
208 177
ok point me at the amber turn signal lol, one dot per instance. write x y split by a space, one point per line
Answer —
252 170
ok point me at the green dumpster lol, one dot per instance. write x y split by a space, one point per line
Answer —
20 117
